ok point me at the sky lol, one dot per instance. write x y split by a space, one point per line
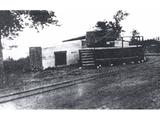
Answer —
76 17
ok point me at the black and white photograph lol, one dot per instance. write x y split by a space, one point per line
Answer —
80 55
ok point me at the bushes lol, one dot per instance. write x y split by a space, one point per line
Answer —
152 46
13 66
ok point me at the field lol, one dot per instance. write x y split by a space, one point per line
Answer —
126 86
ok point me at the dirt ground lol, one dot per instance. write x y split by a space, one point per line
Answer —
133 86
21 81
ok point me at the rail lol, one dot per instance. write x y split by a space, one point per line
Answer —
47 88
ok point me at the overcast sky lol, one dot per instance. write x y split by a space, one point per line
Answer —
78 16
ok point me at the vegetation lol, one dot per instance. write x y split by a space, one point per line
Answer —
112 29
13 21
17 66
134 38
151 46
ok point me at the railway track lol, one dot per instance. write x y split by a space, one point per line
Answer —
47 88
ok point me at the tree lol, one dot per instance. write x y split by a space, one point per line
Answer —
13 21
112 29
135 36
135 33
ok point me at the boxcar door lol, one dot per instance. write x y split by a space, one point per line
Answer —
60 58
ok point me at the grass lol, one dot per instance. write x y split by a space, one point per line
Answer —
125 86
